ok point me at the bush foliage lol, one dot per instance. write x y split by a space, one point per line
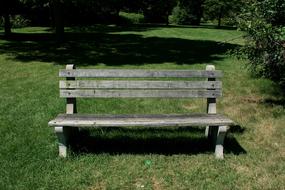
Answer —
264 23
187 12
17 21
222 10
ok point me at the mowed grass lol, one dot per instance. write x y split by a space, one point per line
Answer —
135 158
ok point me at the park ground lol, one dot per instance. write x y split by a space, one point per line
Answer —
135 158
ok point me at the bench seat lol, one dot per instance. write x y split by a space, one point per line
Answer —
157 120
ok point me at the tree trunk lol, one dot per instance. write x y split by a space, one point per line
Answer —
220 17
7 24
57 6
167 18
194 10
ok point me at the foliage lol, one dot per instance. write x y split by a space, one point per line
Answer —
264 23
154 11
132 6
10 6
187 12
179 15
36 11
157 11
84 12
218 9
25 12
19 21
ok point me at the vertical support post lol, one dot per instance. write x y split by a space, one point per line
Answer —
219 147
216 134
66 133
70 102
71 106
211 104
61 134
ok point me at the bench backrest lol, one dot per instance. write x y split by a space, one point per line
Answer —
139 88
105 88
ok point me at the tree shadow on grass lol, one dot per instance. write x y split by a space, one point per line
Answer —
85 49
141 27
149 141
275 96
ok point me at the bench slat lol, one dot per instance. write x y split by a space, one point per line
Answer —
140 93
81 120
91 84
138 73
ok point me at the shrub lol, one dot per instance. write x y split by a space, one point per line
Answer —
179 15
264 23
222 11
187 12
19 21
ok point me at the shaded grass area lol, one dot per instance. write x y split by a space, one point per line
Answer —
135 158
113 48
169 141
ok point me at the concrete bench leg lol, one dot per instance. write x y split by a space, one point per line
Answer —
211 133
62 136
207 131
216 135
219 145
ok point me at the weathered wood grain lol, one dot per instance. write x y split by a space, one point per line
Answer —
138 73
70 102
71 89
140 93
211 103
64 133
117 84
159 120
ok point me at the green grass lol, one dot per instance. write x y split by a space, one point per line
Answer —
131 18
142 158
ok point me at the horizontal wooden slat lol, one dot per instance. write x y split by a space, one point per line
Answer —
91 84
137 73
140 93
79 120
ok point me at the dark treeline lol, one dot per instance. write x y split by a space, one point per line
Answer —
262 21
85 12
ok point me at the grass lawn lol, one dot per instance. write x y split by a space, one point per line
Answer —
142 158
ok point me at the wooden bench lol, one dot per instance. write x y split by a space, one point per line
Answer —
67 124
